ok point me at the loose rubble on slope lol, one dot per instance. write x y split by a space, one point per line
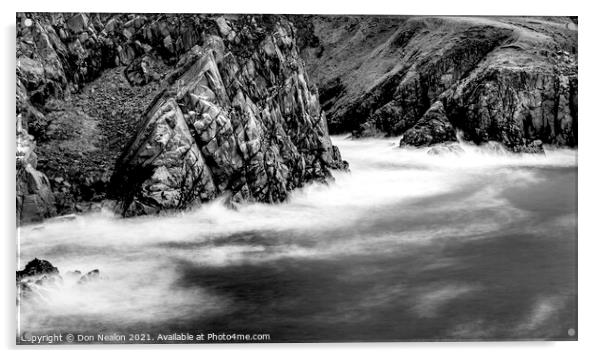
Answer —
162 111
146 113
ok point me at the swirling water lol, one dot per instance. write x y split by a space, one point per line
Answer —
479 244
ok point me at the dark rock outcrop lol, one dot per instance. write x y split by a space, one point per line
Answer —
37 267
164 111
214 104
232 119
518 105
36 274
57 55
40 275
89 277
35 199
140 72
506 79
433 127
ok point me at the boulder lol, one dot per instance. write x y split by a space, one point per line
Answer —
445 148
89 277
78 23
433 127
140 71
223 26
37 267
39 278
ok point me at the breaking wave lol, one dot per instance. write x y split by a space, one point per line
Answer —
397 212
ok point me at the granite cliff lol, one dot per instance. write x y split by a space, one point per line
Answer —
506 79
143 113
160 112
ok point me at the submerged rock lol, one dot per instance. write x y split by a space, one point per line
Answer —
39 276
493 147
90 276
446 148
37 267
73 275
36 274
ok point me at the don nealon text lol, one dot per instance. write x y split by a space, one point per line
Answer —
181 337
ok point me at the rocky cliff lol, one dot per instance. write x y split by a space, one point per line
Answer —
511 80
162 112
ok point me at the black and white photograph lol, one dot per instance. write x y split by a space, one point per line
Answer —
240 178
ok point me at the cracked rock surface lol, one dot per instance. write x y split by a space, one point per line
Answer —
145 113
507 79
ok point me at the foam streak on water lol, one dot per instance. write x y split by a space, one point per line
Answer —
403 234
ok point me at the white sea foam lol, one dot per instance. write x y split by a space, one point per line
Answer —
136 256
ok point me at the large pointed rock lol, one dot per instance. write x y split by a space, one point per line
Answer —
247 121
434 127
163 168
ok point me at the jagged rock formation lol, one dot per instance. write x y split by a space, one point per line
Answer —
34 196
433 127
77 128
39 275
234 120
214 105
37 267
512 80
163 111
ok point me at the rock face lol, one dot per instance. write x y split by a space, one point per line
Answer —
433 127
57 55
163 111
232 119
512 80
35 200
